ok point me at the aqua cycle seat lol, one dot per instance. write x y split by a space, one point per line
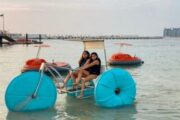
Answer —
88 91
115 88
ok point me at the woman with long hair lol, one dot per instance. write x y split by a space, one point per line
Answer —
82 61
88 72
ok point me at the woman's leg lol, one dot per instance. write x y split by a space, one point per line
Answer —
86 79
66 79
82 73
60 87
74 75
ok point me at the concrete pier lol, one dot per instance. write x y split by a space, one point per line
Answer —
10 40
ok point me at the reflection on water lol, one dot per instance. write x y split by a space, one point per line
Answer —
86 109
75 109
44 115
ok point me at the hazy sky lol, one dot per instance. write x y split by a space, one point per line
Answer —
90 17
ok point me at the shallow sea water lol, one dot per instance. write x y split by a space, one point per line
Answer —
158 81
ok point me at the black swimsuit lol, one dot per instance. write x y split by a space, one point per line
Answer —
82 62
96 69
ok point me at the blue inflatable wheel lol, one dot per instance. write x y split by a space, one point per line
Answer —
19 92
115 88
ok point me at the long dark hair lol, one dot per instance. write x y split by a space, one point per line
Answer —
82 60
94 53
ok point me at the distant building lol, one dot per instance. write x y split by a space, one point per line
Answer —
171 32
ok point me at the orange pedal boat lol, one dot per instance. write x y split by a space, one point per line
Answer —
35 64
123 58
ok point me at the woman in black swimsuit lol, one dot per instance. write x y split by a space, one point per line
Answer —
83 61
89 71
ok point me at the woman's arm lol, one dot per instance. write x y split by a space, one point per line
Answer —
96 62
87 62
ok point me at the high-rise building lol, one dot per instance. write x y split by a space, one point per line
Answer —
171 32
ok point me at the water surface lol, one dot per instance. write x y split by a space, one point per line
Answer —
158 81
